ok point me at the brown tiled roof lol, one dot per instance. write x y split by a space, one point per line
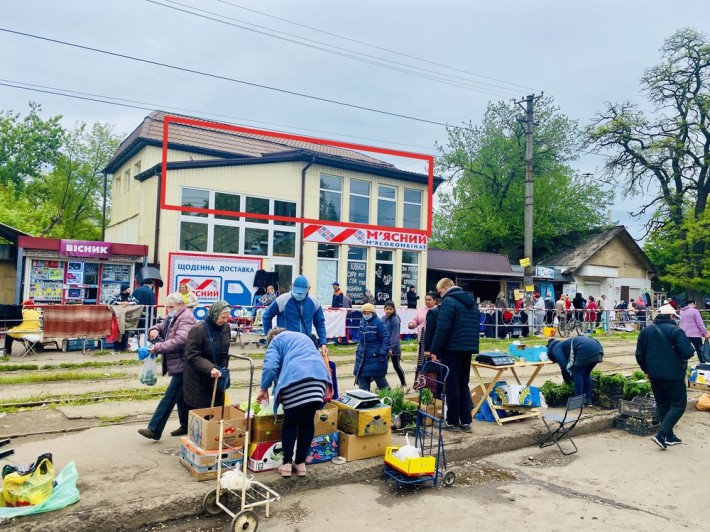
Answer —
470 262
221 143
574 257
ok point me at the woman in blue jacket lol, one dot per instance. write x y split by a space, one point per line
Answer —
371 357
577 358
299 376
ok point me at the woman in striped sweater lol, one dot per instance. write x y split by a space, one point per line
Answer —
296 369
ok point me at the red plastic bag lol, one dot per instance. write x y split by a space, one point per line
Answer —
113 335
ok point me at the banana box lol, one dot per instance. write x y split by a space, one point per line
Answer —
523 395
364 421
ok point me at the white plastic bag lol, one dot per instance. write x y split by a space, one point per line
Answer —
149 372
232 480
407 451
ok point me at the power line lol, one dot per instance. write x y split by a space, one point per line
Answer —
319 45
136 104
226 78
402 54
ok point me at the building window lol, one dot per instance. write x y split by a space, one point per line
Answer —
327 272
256 241
357 274
192 197
386 205
410 273
226 239
359 201
412 208
330 197
226 202
193 236
258 206
383 276
221 233
126 180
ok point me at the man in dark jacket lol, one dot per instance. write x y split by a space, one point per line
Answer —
663 351
577 358
337 301
455 341
412 296
145 296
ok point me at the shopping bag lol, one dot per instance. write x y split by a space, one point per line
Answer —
705 352
113 335
224 381
149 372
30 484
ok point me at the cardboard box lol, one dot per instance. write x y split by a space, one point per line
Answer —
364 422
523 395
477 393
531 353
197 456
699 375
208 473
412 467
699 386
265 456
326 420
203 427
265 428
354 447
323 448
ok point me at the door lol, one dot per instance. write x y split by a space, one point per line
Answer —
285 275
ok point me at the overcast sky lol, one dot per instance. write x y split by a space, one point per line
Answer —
582 53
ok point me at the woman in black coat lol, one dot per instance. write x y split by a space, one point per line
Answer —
207 349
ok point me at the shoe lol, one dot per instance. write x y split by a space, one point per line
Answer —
285 470
182 431
466 428
300 469
451 428
147 433
659 440
673 440
587 405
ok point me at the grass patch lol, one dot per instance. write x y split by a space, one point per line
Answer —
108 420
56 377
19 367
101 353
53 401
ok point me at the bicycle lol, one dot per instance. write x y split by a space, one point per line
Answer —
568 322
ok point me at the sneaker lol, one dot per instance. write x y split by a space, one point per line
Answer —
659 440
147 433
300 469
182 431
673 440
466 428
285 470
451 428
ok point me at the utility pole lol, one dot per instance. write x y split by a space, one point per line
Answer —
529 104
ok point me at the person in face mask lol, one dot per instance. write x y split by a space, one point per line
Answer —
170 337
298 311
371 357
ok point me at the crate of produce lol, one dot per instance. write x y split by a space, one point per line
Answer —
638 407
412 467
639 427
609 401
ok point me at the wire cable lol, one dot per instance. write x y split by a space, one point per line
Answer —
226 78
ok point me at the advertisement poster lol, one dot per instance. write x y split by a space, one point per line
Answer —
357 281
410 276
214 277
383 282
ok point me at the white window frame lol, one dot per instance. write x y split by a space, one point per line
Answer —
357 195
390 200
405 203
339 192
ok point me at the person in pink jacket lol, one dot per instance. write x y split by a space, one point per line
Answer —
419 322
692 324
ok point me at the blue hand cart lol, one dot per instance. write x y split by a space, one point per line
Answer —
430 466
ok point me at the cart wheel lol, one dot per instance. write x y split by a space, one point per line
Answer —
449 478
245 520
209 503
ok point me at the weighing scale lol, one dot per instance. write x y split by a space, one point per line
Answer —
359 399
495 359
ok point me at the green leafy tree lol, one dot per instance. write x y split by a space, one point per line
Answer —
27 145
665 155
482 208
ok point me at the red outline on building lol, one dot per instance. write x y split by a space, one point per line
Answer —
300 138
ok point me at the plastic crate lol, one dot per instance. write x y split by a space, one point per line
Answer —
638 407
606 400
639 427
412 467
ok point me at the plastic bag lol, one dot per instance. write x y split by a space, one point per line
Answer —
149 372
64 493
232 480
28 485
704 403
407 451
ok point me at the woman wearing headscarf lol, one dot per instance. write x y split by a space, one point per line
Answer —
30 325
189 298
297 371
206 350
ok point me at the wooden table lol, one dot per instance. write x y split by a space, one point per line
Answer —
526 411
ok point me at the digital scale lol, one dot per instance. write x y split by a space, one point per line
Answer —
495 359
359 399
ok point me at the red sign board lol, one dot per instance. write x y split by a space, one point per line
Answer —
84 248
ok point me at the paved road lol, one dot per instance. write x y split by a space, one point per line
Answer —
616 482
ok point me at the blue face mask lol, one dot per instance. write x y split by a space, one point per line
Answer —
298 297
172 314
367 316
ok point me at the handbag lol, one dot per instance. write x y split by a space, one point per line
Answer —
223 382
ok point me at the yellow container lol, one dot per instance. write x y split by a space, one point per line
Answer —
549 331
413 467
